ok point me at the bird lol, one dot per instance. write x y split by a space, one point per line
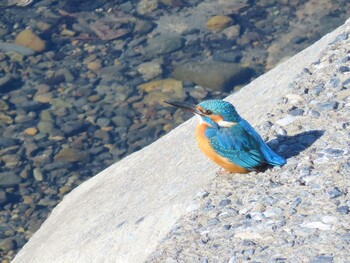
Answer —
229 140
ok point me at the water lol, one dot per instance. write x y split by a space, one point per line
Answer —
89 98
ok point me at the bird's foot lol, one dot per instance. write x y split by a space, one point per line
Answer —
223 172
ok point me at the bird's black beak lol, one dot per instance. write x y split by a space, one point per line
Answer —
185 106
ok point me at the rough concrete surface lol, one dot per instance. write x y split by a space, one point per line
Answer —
122 213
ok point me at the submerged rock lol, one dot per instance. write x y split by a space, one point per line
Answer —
163 44
28 39
218 23
218 76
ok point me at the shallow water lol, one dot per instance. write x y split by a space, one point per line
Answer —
89 89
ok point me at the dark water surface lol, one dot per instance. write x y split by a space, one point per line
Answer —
88 89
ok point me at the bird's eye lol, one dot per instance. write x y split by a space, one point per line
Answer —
208 112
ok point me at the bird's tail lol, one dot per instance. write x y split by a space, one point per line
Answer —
271 157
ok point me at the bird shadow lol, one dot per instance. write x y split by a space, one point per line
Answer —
289 146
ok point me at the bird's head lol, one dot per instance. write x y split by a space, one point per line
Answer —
216 113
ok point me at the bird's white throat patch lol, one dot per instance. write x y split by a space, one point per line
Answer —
226 124
221 123
200 119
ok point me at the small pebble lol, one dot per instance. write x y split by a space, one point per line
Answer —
314 114
317 90
346 83
31 131
344 210
322 259
327 106
333 83
334 193
305 171
286 120
344 69
213 221
296 112
38 174
331 152
225 202
282 132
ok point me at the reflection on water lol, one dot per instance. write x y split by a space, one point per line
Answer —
82 82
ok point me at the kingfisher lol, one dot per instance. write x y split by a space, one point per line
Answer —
228 139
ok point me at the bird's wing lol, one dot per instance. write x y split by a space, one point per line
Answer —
271 157
237 145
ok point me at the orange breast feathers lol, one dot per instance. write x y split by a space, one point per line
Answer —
204 145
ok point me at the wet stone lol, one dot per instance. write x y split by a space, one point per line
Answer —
150 70
56 165
71 155
7 142
121 121
163 44
228 56
3 197
37 174
45 127
3 105
31 131
97 150
197 92
143 27
27 200
102 135
47 202
219 76
23 119
11 160
72 127
9 150
9 179
218 23
32 106
103 122
79 103
7 244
